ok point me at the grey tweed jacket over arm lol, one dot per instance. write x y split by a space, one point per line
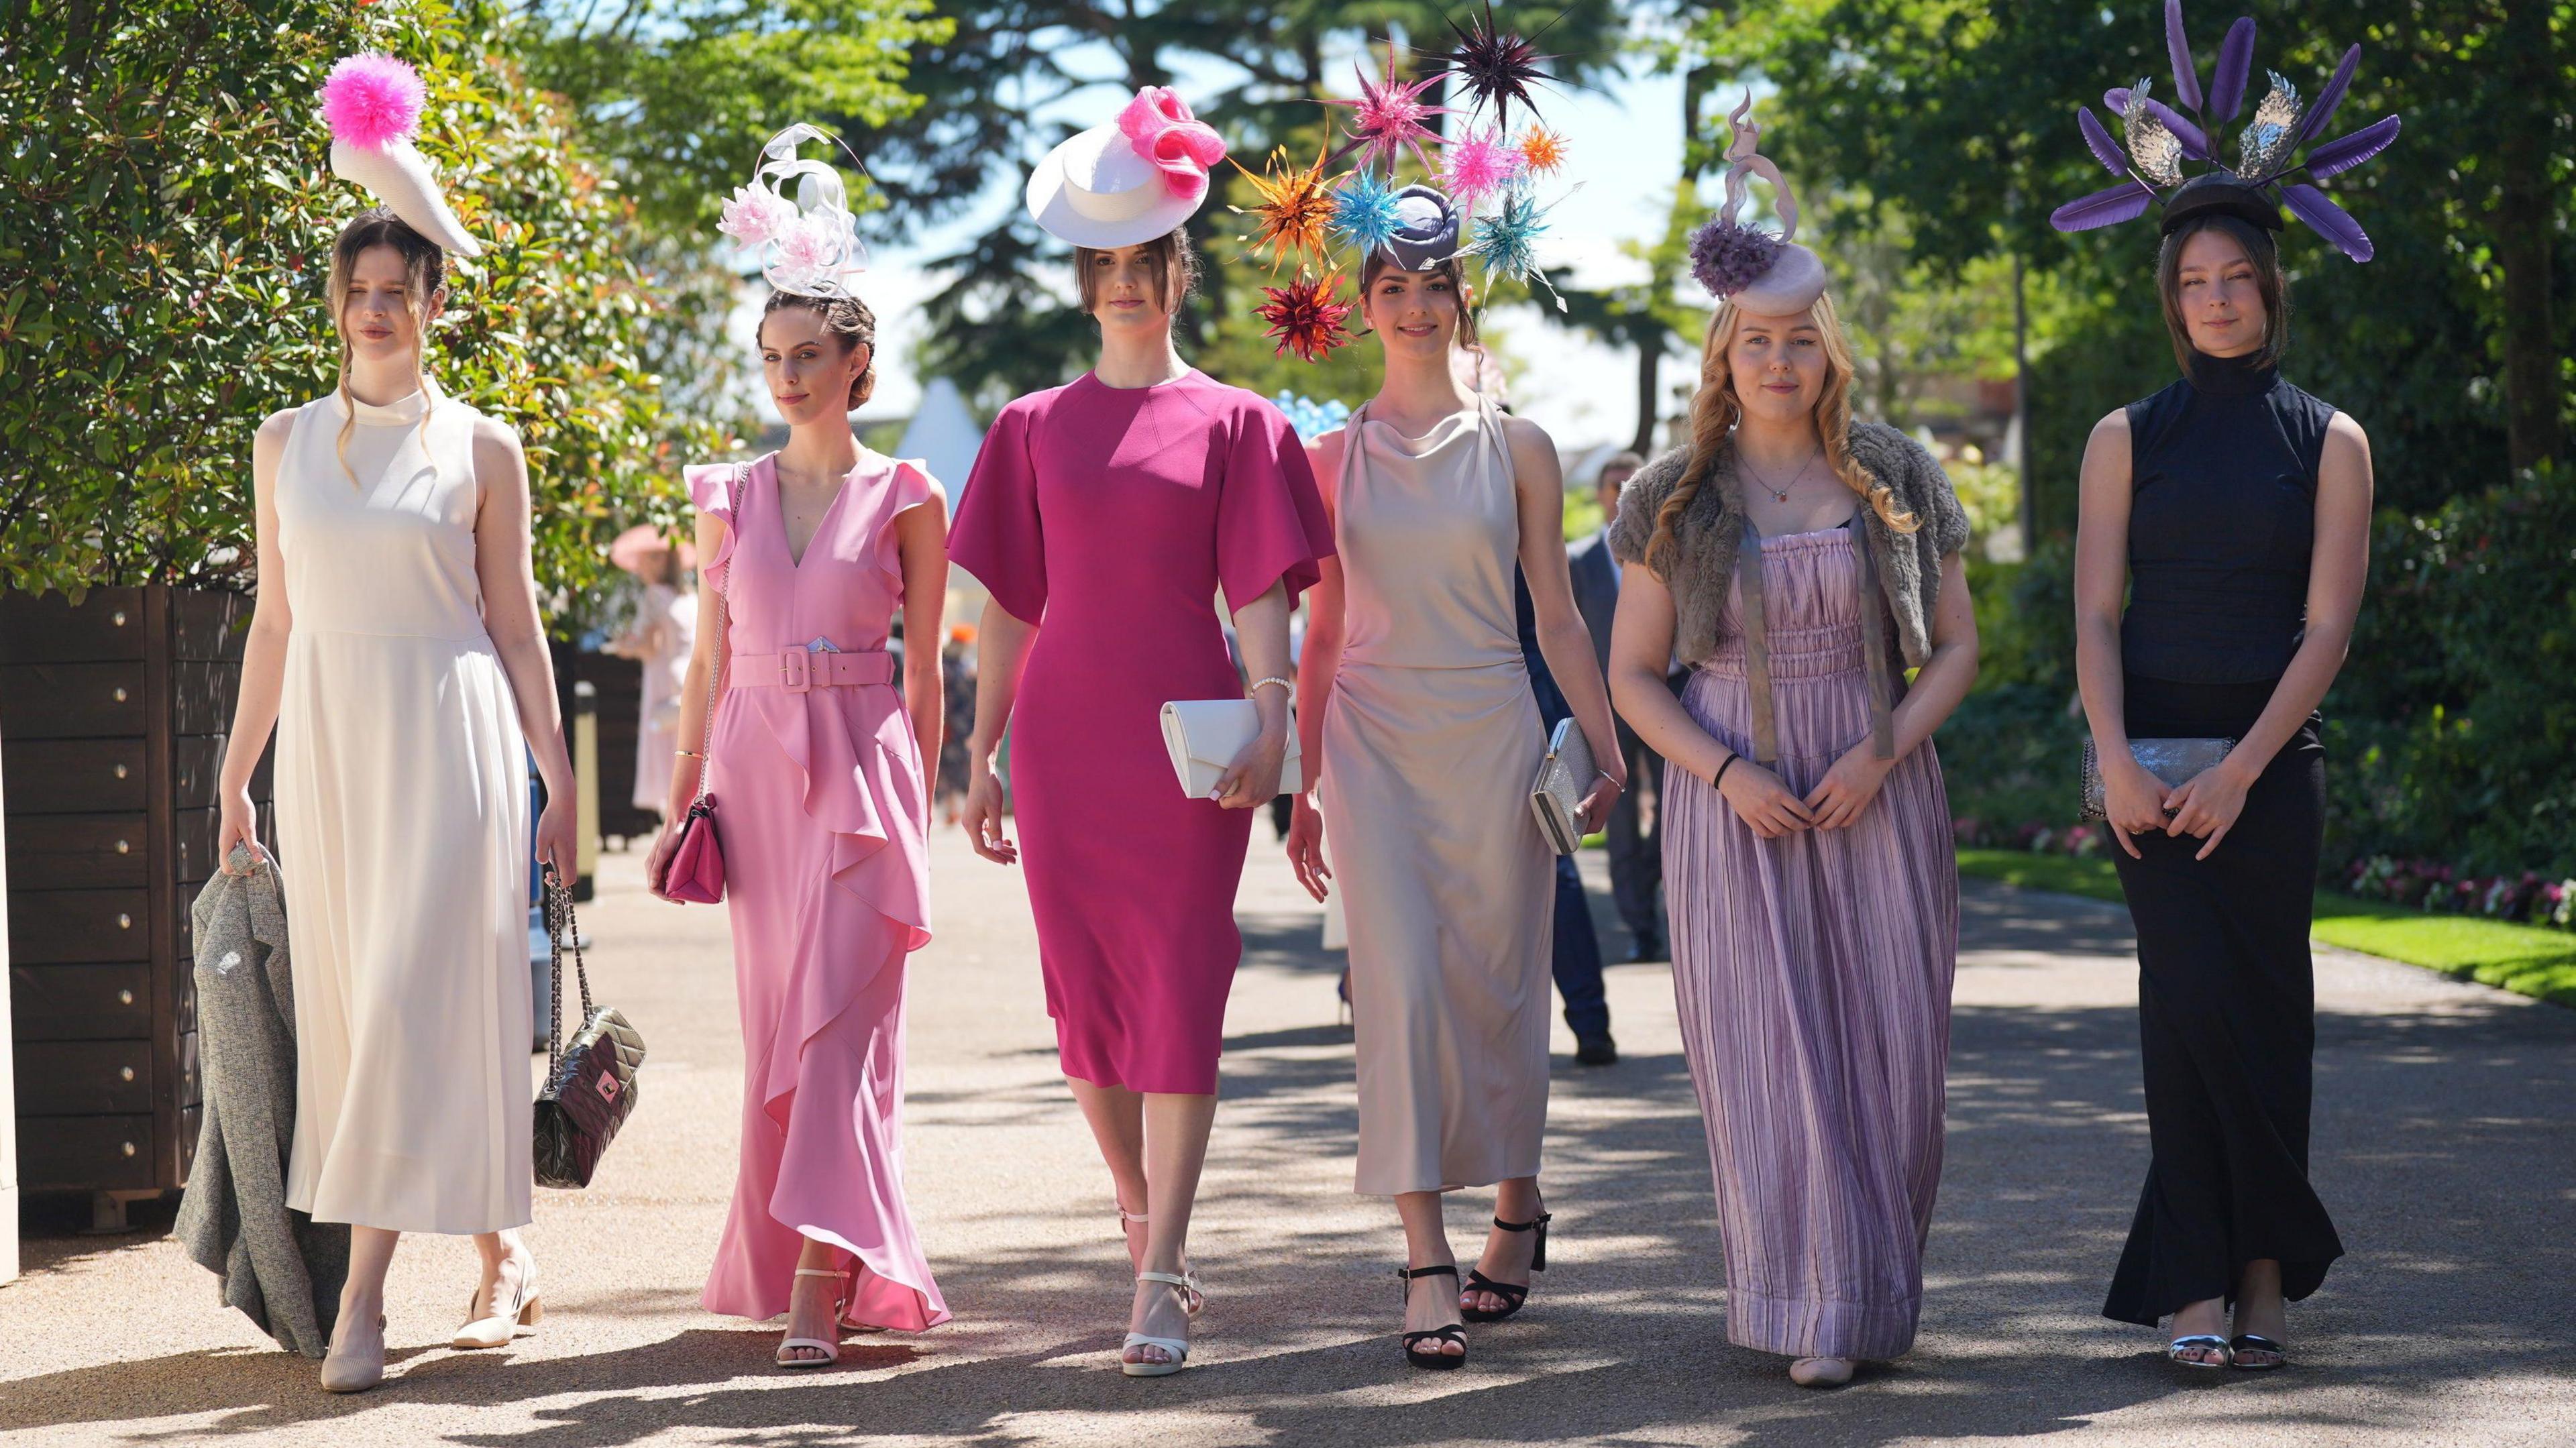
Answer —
280 1267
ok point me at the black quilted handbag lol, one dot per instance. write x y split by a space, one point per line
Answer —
590 1084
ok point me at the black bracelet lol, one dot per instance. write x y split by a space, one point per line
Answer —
1715 779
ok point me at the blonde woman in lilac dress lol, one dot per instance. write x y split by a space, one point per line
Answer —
1798 560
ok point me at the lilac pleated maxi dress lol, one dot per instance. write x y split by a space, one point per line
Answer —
1813 976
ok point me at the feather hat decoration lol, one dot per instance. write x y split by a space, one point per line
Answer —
1306 317
2160 141
1767 275
1295 208
1497 67
1388 117
373 104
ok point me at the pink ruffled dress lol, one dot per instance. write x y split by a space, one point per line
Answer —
823 811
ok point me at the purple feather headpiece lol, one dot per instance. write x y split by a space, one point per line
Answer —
1764 274
2159 140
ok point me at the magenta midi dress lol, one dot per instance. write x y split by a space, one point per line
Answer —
1812 973
823 814
1111 517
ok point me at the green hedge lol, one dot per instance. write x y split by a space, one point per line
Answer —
170 211
2449 732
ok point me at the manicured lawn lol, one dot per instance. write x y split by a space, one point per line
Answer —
2519 958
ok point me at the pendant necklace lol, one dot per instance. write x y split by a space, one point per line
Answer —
1779 494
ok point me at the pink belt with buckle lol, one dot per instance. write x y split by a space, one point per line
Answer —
798 671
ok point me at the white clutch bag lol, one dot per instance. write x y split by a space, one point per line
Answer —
1204 736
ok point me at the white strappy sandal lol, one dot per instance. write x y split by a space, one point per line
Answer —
1178 1347
831 1351
1192 1296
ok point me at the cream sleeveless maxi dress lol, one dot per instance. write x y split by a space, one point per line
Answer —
402 823
1430 743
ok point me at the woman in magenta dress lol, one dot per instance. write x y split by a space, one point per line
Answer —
1106 516
818 761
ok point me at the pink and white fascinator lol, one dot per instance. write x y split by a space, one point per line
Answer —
373 104
1130 180
808 245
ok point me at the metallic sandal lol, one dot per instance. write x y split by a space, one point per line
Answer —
2200 1342
2249 1351
1192 1297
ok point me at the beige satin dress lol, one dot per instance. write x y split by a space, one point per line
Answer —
1430 743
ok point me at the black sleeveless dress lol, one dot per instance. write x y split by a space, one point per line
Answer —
2223 477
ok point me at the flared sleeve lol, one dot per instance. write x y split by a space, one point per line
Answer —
1270 524
999 537
711 488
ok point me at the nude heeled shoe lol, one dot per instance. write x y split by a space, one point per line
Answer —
349 1372
830 1350
497 1327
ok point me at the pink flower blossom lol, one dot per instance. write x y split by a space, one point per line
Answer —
756 215
808 250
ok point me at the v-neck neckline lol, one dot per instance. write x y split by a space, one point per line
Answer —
778 505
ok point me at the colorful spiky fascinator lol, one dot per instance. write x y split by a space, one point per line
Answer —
1766 275
373 104
2160 142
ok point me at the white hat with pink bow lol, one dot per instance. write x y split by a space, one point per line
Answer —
1129 181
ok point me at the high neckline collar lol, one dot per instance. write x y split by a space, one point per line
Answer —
402 412
2231 376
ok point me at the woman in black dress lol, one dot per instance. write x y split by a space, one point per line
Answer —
2233 510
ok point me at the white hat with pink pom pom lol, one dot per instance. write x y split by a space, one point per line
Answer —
373 104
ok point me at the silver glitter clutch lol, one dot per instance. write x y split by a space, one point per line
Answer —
1564 777
2173 761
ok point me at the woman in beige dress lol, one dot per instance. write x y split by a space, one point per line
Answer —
399 654
1414 698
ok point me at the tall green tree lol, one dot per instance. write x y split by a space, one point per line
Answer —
1005 322
1962 114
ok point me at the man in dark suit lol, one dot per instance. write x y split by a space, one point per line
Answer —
1636 850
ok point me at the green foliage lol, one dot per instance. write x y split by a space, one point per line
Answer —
2450 729
177 152
680 94
1962 114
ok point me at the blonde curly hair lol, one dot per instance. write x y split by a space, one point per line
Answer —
1715 411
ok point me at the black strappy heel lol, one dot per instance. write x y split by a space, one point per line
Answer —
1513 1294
1435 1359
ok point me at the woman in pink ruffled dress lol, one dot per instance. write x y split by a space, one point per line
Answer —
818 758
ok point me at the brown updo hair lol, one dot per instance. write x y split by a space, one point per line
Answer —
1379 264
424 278
847 318
1176 273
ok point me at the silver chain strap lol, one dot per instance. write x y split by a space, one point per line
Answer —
561 925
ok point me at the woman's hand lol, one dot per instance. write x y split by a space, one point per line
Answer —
238 821
983 816
1253 778
1848 787
1594 812
1766 806
658 864
1306 847
2133 800
559 834
2207 804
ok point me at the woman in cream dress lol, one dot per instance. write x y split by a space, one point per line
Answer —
1414 696
398 652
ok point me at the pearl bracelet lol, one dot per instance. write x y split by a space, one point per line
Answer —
1289 685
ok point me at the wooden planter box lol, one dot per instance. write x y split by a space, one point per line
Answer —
113 719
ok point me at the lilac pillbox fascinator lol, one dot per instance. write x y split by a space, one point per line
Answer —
1766 275
2160 140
